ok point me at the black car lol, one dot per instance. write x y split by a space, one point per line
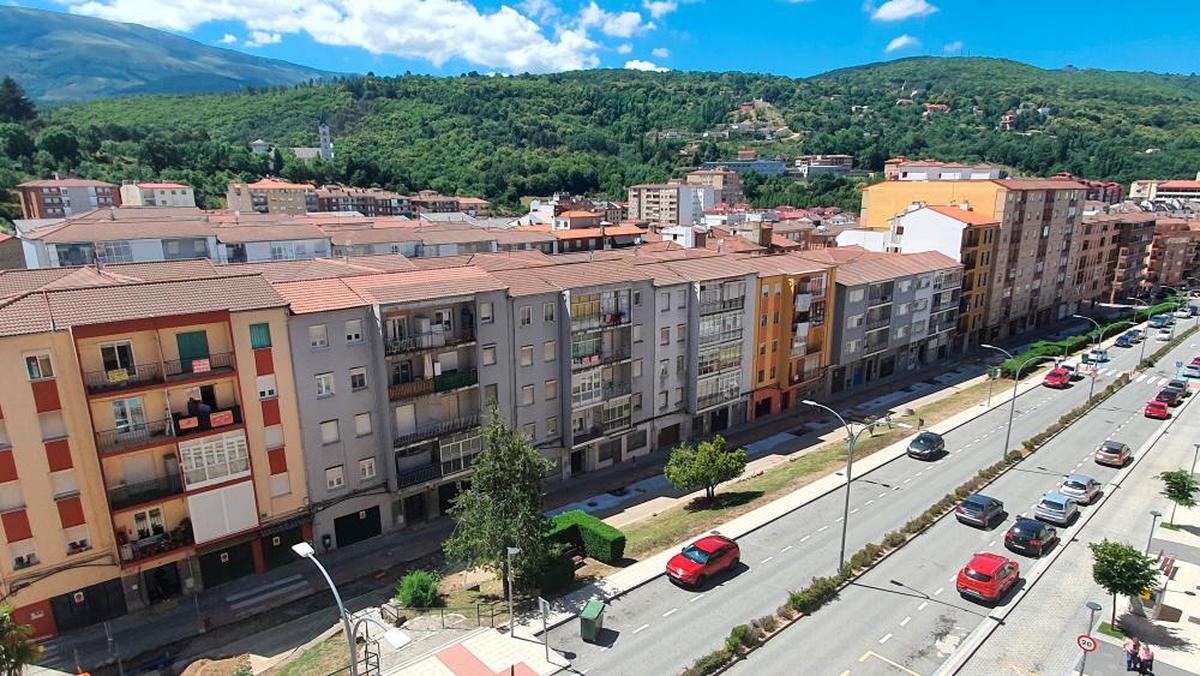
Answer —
1169 396
979 510
1030 537
926 445
1180 385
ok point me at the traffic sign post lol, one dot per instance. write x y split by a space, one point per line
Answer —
1086 643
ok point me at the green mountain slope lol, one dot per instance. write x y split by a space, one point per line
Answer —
63 58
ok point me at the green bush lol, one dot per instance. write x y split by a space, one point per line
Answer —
557 575
709 663
819 592
598 539
914 526
768 623
894 539
418 589
786 611
737 638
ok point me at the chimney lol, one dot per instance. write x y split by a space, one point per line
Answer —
765 230
700 239
964 205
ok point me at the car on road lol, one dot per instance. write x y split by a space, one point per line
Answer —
1056 508
1195 361
926 445
1113 453
1159 321
979 510
1163 335
1182 313
700 561
1030 536
1156 409
1182 385
1192 371
988 576
1071 368
1136 334
1169 396
1124 340
1057 378
1081 488
1168 319
1097 355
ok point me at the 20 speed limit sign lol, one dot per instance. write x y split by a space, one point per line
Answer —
1086 643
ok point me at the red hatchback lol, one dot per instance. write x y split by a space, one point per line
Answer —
988 576
1157 409
1058 378
704 558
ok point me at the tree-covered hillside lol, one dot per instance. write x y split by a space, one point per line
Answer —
598 131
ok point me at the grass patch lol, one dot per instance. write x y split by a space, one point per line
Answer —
328 657
1169 526
1109 630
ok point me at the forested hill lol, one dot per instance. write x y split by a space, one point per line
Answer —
599 131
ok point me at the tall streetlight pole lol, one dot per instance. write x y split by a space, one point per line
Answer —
1195 456
1012 407
1142 356
1099 336
509 553
1154 517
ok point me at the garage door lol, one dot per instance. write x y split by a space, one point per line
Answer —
226 564
357 527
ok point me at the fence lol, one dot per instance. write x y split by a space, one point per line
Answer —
490 614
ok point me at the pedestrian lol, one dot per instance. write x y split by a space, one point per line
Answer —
1145 659
1131 652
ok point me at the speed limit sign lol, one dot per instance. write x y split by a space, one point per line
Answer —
1086 643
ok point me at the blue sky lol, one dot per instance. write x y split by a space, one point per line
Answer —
788 37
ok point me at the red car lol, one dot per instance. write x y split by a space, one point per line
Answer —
1058 378
1157 409
1195 361
988 576
704 558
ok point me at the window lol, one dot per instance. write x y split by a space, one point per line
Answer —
664 367
116 252
118 357
851 346
766 289
855 295
485 313
664 335
662 401
335 478
678 396
526 355
762 320
548 312
273 436
354 331
778 288
324 384
681 333
318 337
489 354
552 426
362 424
149 523
550 350
266 387
214 459
358 378
260 336
491 393
38 366
774 347
636 368
527 395
526 315
637 333
680 365
637 298
366 469
854 320
329 432
664 301
530 430
636 401
551 389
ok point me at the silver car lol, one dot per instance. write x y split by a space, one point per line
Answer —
1113 453
1056 508
1081 488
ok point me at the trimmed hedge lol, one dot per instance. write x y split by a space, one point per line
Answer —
598 539
557 575
418 589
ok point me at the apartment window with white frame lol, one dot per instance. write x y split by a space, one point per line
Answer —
664 301
526 355
637 333
548 312
485 313
362 424
489 354
551 389
635 369
527 395
214 459
38 366
335 478
318 337
354 332
358 378
664 335
266 387
526 314
855 295
549 350
552 426
851 346
854 320
329 432
324 385
366 469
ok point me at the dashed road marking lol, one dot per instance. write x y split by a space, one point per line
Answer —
868 503
805 538
885 639
822 528
696 598
641 628
881 495
670 612
924 604
854 511
918 473
906 620
939 591
787 548
908 480
767 559
838 520
992 543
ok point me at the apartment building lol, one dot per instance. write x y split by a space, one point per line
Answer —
366 201
157 194
1125 273
894 313
665 204
433 202
903 169
160 462
1099 245
726 184
271 196
1166 265
62 197
243 243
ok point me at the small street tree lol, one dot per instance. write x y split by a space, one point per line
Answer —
17 650
704 466
1180 488
1121 570
502 508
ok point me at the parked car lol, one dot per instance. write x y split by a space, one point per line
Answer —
701 560
1070 367
1192 371
1195 361
1114 453
1163 335
1168 320
1081 488
1056 508
926 445
987 576
979 510
1097 355
1182 385
1124 340
1057 378
1156 409
1169 396
1158 321
1183 313
1030 536
1136 334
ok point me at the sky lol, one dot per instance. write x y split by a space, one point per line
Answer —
787 37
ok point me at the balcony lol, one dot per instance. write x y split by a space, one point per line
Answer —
803 302
436 429
708 307
149 433
156 542
616 389
452 381
617 424
604 320
708 400
881 299
204 421
878 323
874 347
128 495
609 356
584 436
721 337
416 388
214 364
428 340
433 471
115 380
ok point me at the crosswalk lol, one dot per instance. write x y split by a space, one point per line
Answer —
1151 379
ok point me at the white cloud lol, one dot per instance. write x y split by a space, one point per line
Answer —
544 10
660 8
661 52
898 10
638 64
260 38
624 48
436 31
228 39
953 48
901 42
613 24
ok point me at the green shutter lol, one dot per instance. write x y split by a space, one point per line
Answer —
260 336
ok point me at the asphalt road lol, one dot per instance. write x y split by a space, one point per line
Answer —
659 628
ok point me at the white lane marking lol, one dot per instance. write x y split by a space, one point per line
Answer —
644 626
992 543
805 538
908 480
854 511
838 520
670 612
1078 464
881 495
822 528
696 598
918 473
923 605
787 548
885 639
767 559
1140 378
906 620
868 503
939 591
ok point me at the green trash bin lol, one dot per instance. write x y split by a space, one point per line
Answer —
591 621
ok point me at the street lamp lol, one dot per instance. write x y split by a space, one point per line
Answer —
1099 337
1012 407
1142 356
1093 608
394 636
1155 515
510 552
1195 456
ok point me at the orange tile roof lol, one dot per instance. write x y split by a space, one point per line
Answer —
352 236
579 213
102 230
966 216
404 287
1038 184
606 231
319 295
66 183
162 185
277 184
1179 185
857 266
232 234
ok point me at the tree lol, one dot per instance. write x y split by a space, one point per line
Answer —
1121 570
704 466
61 143
17 650
1180 488
276 162
14 105
503 506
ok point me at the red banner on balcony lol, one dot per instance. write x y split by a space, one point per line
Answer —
220 418
201 365
189 423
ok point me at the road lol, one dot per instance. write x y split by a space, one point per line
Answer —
907 616
659 628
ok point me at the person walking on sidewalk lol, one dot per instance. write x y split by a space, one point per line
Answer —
1131 652
1145 659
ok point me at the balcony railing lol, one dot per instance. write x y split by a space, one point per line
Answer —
434 470
616 424
618 388
590 434
879 300
219 363
436 429
878 323
128 495
455 380
707 400
872 348
157 543
205 421
602 320
708 307
721 336
440 383
111 380
429 339
609 356
133 436
416 388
